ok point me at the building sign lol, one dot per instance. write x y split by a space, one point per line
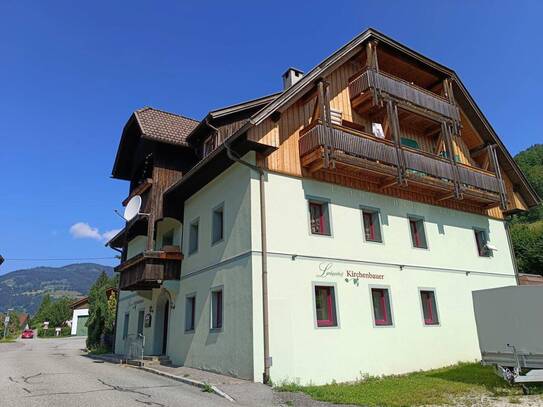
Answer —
326 270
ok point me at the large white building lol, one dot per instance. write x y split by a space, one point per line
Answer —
333 230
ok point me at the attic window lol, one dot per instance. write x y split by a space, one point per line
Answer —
210 144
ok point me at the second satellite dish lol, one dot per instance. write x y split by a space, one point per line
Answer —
132 208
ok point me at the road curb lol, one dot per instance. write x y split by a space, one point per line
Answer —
192 382
186 380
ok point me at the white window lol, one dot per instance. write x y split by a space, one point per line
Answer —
319 218
217 226
382 313
372 225
216 309
190 313
193 236
418 234
481 241
429 307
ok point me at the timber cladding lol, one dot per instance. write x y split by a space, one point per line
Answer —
284 134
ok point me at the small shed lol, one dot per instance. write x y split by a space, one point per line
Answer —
80 315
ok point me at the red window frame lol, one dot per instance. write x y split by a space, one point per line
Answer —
331 321
386 320
369 225
316 215
414 232
428 298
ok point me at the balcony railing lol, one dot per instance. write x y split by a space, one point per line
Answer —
149 269
382 158
403 90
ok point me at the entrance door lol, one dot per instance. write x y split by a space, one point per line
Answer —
165 328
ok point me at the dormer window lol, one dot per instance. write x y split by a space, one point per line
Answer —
210 144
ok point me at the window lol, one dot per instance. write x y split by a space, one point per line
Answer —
382 315
190 313
217 224
216 309
193 237
167 238
418 236
319 218
325 306
209 145
409 143
125 325
481 241
372 225
429 308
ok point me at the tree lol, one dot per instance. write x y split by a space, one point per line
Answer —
56 312
101 311
527 228
528 245
13 326
530 162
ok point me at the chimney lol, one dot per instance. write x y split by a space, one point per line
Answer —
291 76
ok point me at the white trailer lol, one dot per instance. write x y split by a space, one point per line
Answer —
510 329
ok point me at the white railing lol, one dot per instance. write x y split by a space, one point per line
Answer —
133 347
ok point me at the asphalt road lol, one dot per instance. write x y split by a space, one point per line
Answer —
55 372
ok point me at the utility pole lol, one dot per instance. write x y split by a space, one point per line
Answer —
6 322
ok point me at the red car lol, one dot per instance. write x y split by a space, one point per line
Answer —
27 334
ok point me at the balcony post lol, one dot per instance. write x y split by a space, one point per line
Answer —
392 117
445 129
496 166
325 116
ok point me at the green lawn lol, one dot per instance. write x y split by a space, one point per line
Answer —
440 386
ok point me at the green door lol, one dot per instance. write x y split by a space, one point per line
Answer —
82 325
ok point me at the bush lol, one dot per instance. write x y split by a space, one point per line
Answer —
51 332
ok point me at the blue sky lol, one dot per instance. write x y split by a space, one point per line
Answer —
72 72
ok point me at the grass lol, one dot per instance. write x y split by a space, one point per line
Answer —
7 340
206 388
440 386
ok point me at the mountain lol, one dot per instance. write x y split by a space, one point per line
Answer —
23 289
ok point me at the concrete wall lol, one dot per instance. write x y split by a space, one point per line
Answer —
302 352
225 264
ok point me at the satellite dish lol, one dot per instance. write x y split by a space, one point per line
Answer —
132 208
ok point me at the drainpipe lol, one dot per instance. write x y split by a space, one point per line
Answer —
263 239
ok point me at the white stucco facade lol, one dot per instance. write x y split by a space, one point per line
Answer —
297 261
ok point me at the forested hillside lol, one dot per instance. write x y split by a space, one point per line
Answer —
527 229
24 289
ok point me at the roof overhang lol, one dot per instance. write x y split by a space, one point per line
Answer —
205 171
306 84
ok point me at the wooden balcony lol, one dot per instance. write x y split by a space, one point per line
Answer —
363 156
400 90
149 269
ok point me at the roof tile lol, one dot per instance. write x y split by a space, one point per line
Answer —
163 126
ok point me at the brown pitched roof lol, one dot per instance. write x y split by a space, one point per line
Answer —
164 126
